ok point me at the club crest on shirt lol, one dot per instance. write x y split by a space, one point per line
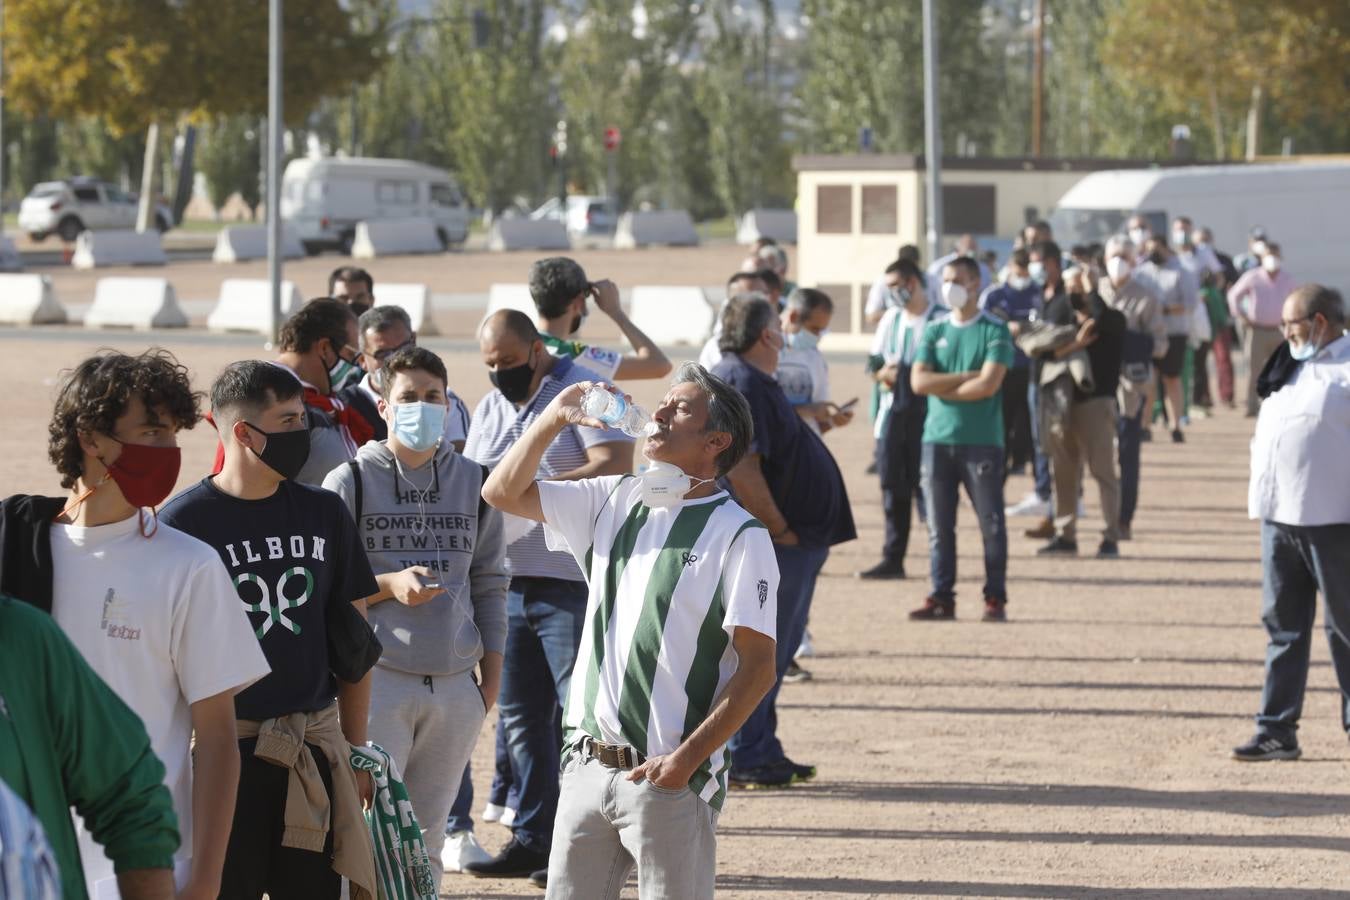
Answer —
688 559
763 588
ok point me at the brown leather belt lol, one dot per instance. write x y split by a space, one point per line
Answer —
611 756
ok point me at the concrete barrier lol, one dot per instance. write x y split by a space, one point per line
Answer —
528 234
414 299
240 243
139 303
672 315
667 227
245 304
96 249
779 224
511 296
396 237
10 260
29 300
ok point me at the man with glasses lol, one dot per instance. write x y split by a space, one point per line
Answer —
1304 508
385 330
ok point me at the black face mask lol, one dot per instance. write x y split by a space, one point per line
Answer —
286 452
514 383
1157 259
576 323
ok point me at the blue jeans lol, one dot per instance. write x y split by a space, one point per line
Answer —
1129 431
1297 563
756 744
945 467
1040 463
544 622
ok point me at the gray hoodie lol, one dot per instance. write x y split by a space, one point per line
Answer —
450 633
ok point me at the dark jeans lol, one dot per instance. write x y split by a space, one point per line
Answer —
255 861
756 744
1040 460
945 468
1200 378
898 452
1129 435
1297 563
1017 437
544 622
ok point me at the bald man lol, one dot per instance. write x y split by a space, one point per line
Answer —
546 600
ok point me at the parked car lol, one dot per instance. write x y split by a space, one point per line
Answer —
69 207
325 198
584 214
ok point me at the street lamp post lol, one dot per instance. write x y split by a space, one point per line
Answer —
932 137
274 113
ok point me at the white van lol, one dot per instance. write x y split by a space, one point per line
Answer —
324 198
1302 206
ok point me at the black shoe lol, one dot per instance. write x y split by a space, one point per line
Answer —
539 879
1108 550
767 777
1178 436
887 569
1059 547
934 610
995 610
1263 747
800 773
1126 533
872 467
795 674
514 861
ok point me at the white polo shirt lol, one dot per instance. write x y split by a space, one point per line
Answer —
1299 449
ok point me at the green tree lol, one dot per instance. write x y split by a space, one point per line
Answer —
229 160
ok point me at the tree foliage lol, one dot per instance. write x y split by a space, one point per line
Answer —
230 160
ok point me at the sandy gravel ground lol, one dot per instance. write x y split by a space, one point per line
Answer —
1080 750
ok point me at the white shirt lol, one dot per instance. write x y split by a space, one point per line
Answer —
1299 449
456 419
804 377
897 340
159 620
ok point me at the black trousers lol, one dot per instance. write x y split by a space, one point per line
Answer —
255 862
1017 418
898 451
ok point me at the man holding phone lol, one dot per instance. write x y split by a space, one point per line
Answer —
437 552
802 372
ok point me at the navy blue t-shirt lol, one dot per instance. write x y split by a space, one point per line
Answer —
801 473
1011 305
291 556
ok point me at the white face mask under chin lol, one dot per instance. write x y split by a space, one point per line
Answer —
665 485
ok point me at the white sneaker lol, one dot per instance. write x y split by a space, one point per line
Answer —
806 649
1030 505
508 818
492 813
462 848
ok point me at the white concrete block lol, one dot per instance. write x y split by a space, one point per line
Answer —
528 234
29 300
139 303
96 249
10 260
240 243
667 227
779 224
415 299
511 296
672 315
395 237
245 304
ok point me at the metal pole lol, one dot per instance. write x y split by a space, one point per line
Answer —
1038 79
2 120
273 173
932 134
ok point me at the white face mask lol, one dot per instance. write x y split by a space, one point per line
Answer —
664 485
1037 271
1019 282
954 295
1117 267
1138 236
1271 263
1180 238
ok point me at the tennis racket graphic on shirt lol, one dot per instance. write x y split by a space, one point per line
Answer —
275 608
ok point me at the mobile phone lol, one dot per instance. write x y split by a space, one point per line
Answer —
431 584
845 407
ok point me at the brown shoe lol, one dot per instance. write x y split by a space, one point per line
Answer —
1045 529
934 610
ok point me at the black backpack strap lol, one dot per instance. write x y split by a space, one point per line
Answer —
356 491
482 504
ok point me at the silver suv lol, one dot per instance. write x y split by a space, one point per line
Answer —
68 207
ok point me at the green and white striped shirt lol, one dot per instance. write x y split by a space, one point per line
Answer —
667 589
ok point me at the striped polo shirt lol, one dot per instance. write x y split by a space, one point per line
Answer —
668 587
498 423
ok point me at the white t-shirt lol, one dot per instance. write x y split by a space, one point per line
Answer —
804 378
160 621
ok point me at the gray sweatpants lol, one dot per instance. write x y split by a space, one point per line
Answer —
428 726
606 824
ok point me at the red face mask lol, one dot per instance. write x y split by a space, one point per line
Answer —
145 474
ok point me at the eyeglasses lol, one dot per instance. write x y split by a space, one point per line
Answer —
1286 324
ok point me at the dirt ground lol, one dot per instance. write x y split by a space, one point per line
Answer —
1080 750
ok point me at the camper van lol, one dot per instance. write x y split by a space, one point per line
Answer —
324 198
1303 206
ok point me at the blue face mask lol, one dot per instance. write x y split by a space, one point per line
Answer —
1037 271
803 340
1304 351
419 426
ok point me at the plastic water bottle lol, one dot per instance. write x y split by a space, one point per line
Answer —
615 411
